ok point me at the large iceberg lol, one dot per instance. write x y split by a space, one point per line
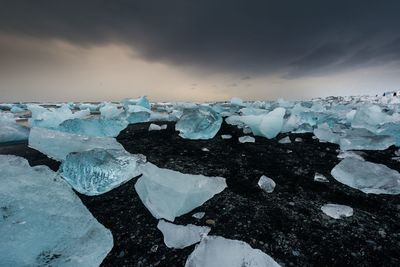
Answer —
181 236
168 194
216 251
43 222
94 126
10 131
57 145
199 123
366 176
97 171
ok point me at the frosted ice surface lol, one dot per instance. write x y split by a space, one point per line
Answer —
358 139
367 176
110 111
98 171
58 145
337 211
43 222
136 114
168 194
226 136
93 126
141 101
10 131
156 127
285 140
216 251
247 139
181 236
266 184
199 123
237 101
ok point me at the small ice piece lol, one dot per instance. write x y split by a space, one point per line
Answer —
168 194
98 171
216 251
93 126
337 211
266 184
285 140
205 149
198 215
320 178
298 139
247 139
226 136
371 178
43 222
181 236
10 131
155 127
199 123
348 154
164 127
57 145
236 101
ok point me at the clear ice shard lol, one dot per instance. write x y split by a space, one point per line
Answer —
98 171
181 236
199 123
285 140
156 127
320 178
93 126
371 178
337 211
246 139
57 145
216 251
266 184
10 131
43 222
168 194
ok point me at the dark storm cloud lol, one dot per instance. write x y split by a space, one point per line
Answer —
296 38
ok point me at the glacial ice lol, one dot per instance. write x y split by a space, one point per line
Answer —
43 222
371 178
246 139
181 236
137 114
199 215
156 127
110 111
57 145
226 136
237 101
98 171
168 194
337 211
93 126
216 251
266 184
141 101
10 131
199 123
320 178
285 140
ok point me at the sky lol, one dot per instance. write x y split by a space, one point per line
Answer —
205 50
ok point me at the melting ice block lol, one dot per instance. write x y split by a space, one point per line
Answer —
337 211
10 131
168 194
110 111
181 236
216 251
43 222
93 126
98 171
367 176
199 123
136 114
285 140
246 139
58 145
266 184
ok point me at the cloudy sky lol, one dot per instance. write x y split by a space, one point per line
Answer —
197 50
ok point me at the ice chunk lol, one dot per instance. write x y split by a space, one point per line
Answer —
320 178
226 136
110 111
359 139
98 171
298 139
89 106
347 154
266 184
199 215
58 145
93 126
10 131
168 194
141 101
136 114
216 251
247 139
16 109
367 176
180 236
43 222
156 127
199 123
337 211
369 117
285 140
237 101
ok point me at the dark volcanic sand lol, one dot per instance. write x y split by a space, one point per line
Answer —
286 224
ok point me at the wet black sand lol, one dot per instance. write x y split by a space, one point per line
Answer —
286 224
